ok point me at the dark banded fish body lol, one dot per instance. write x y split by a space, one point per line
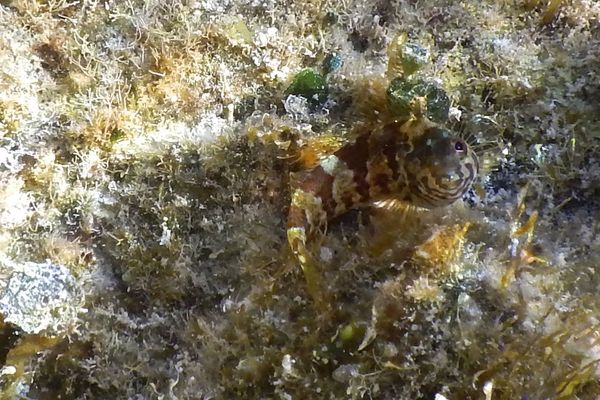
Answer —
416 162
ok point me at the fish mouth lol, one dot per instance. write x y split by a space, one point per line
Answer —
450 180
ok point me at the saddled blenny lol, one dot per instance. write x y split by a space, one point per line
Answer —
416 162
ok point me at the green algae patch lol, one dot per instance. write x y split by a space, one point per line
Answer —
309 84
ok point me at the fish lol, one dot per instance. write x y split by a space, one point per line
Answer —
416 162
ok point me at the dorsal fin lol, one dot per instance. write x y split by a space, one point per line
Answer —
315 148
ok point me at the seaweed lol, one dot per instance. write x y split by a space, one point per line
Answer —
145 151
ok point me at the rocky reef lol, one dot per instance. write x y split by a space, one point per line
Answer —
146 150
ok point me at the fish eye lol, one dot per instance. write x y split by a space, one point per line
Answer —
459 146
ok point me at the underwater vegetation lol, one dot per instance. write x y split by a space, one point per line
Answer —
149 155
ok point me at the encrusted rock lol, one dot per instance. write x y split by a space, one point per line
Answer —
41 296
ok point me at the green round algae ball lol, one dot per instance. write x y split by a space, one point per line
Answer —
309 84
402 93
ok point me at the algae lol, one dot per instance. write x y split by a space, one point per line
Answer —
146 148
